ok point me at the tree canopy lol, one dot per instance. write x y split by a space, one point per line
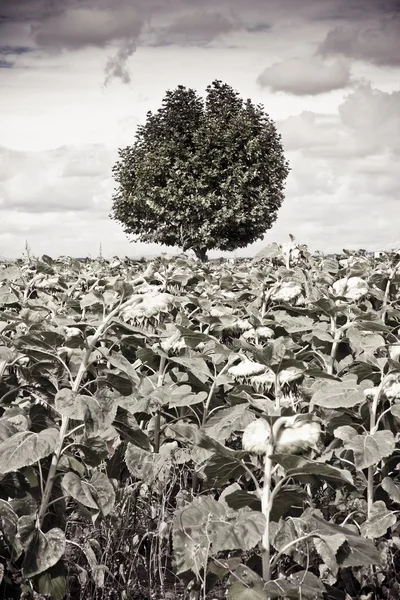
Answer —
201 174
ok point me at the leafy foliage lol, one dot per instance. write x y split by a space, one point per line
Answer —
126 383
201 175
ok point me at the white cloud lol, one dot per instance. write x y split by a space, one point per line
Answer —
374 118
68 178
367 123
302 77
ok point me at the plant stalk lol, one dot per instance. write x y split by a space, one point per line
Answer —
265 509
157 420
65 420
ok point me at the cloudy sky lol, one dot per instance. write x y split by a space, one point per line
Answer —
78 76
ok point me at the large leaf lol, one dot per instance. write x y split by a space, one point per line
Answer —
228 420
240 498
207 525
302 468
368 448
357 551
338 394
97 411
78 489
129 430
104 492
392 488
243 532
120 362
287 498
195 365
245 584
327 547
293 324
42 550
8 527
150 467
26 448
177 395
7 429
379 521
55 587
303 585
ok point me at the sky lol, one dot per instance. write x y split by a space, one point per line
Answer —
78 76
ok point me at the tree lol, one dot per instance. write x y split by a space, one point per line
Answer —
201 175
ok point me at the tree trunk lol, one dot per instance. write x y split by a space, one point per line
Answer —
201 254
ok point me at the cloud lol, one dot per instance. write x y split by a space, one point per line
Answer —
373 118
379 45
80 27
198 27
303 77
56 181
116 67
367 123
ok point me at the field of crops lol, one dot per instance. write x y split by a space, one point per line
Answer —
174 429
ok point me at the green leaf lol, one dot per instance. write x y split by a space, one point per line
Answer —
7 429
357 551
152 468
327 547
338 394
126 425
91 299
26 448
379 521
243 532
303 585
177 395
7 296
104 492
368 449
227 421
240 498
78 489
207 525
245 584
195 365
193 338
299 468
392 488
8 527
220 469
55 587
43 551
97 411
287 498
120 362
294 324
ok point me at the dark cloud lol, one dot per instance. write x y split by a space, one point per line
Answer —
303 77
116 67
258 27
80 27
6 50
198 27
378 44
73 25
